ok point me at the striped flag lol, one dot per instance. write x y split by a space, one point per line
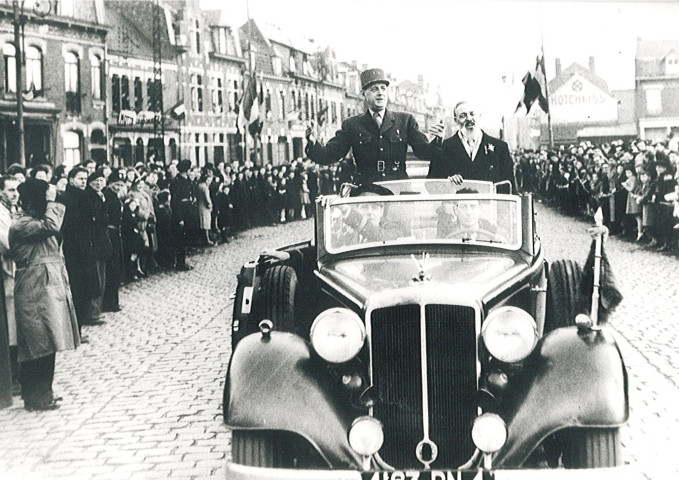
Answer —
535 87
250 108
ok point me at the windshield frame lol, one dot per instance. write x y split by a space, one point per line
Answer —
329 203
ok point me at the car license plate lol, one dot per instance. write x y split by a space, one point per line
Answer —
428 475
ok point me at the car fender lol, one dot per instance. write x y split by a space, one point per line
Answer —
574 379
274 382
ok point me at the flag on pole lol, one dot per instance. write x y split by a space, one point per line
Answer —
323 115
598 290
249 108
257 113
535 87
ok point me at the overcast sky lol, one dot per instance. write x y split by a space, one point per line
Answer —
466 47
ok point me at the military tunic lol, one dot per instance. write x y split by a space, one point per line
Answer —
379 154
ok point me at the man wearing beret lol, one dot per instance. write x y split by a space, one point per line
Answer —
379 138
472 154
181 202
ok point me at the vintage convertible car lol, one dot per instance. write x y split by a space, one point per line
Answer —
421 335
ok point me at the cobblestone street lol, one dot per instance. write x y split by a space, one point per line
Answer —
143 399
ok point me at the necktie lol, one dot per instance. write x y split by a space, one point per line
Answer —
378 119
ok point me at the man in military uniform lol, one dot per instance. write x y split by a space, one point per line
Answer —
379 138
181 202
472 154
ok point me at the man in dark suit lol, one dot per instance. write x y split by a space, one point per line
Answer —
472 154
379 138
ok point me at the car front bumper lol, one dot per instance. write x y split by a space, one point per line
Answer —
241 472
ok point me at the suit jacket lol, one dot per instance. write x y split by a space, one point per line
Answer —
379 154
492 163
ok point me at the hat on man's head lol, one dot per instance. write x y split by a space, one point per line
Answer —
374 75
370 189
184 166
98 173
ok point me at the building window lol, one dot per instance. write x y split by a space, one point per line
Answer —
196 36
9 53
138 95
71 148
199 89
125 93
654 101
281 104
115 93
217 95
277 66
72 82
34 70
267 103
97 78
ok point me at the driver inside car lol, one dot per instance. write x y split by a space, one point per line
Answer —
372 222
463 221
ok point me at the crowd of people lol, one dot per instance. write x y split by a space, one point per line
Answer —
72 236
634 183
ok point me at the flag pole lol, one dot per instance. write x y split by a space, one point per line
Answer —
599 221
246 87
544 73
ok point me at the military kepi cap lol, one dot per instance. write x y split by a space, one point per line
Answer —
374 75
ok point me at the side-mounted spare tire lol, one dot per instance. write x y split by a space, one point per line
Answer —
563 294
277 298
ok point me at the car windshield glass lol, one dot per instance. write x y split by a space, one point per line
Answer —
467 218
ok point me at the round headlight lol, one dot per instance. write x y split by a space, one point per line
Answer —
337 335
366 435
489 433
510 334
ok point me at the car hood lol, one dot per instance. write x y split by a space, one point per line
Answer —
470 277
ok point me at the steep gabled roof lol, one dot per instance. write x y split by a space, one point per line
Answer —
575 68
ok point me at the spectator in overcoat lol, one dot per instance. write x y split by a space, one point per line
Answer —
165 256
101 243
115 195
181 199
77 234
9 198
205 205
47 326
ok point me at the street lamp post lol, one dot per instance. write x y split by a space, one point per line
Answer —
18 22
41 8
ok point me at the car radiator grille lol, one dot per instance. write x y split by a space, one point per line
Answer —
452 381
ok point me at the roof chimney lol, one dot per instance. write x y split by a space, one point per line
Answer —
557 67
591 66
420 80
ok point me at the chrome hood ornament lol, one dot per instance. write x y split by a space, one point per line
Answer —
422 268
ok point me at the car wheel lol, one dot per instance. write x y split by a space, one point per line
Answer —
255 448
563 292
278 294
592 448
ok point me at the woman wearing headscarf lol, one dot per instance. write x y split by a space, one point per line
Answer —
46 321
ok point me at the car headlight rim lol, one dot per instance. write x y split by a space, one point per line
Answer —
522 327
337 335
489 432
366 435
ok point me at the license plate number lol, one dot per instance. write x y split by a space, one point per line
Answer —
426 475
